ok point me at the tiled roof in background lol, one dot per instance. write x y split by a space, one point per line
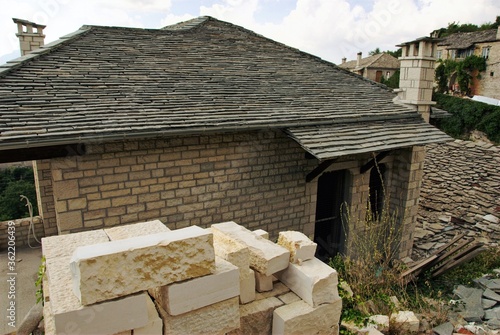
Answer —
381 60
466 40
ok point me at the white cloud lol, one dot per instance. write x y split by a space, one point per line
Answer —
330 29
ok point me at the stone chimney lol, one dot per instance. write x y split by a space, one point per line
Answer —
358 60
30 35
417 74
344 60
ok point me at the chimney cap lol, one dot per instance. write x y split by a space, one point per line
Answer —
359 53
26 22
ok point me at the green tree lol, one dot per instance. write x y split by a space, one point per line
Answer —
14 182
392 81
456 27
393 53
375 52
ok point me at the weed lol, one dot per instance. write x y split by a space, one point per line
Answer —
39 281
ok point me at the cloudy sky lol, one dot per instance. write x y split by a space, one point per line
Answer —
330 29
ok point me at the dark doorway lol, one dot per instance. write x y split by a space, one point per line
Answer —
328 231
378 76
377 176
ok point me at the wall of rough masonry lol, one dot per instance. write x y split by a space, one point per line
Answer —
407 172
22 227
206 291
45 196
489 84
257 179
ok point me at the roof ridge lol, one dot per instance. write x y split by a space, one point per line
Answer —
44 49
377 57
188 24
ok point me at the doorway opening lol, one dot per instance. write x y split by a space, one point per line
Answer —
329 233
377 176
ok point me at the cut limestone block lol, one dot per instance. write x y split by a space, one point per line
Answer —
289 298
262 233
118 268
263 283
108 317
300 318
247 286
155 323
218 318
232 251
380 322
313 281
266 257
406 320
300 246
278 289
257 317
136 229
48 319
183 297
239 255
65 245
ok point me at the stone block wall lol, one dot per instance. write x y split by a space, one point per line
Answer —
45 196
407 172
489 84
257 179
22 227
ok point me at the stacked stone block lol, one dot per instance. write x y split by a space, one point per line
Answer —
183 293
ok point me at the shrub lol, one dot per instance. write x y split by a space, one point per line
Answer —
468 115
14 182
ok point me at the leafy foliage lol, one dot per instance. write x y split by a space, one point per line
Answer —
468 115
14 182
393 53
39 281
456 27
392 81
465 71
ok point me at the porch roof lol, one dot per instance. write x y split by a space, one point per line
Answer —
328 142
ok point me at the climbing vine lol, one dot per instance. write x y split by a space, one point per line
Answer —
465 71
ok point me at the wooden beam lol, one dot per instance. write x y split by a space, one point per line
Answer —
371 163
319 169
28 154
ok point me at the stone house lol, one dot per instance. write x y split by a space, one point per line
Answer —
372 67
203 122
484 43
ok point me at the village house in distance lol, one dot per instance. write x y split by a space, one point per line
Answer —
374 67
485 44
204 122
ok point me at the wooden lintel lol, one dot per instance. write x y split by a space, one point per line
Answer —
375 160
319 169
28 154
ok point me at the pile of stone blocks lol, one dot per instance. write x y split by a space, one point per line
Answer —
145 279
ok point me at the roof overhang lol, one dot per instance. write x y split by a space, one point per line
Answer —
330 142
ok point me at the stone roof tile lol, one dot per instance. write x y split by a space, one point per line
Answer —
466 40
204 75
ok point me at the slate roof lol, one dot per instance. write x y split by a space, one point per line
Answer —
113 83
467 40
327 142
381 60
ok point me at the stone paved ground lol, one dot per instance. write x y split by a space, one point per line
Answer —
460 193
